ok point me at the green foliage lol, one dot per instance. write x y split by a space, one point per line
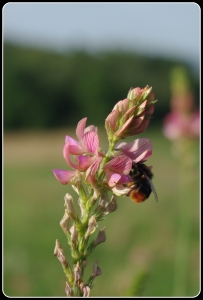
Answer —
47 90
138 284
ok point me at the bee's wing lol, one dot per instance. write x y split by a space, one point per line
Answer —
152 188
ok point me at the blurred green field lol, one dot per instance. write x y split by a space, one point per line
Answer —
152 249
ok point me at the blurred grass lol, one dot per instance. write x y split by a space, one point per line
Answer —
138 257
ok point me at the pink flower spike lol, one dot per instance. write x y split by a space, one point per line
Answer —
63 176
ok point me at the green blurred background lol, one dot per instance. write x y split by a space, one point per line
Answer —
152 249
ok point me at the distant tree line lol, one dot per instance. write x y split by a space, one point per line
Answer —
47 90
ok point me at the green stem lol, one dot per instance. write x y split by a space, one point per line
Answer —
182 253
106 158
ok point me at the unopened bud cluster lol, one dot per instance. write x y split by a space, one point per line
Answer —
130 116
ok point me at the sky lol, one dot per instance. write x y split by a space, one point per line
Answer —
166 29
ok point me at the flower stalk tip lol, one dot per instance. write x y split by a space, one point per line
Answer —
131 116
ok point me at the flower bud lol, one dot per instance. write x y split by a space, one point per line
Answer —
76 180
111 206
101 237
85 289
92 225
96 270
95 195
74 236
84 263
65 221
58 252
70 207
77 273
68 290
103 201
82 207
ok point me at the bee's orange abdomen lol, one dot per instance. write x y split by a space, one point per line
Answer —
137 196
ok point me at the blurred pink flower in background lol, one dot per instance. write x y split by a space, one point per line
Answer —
178 125
184 119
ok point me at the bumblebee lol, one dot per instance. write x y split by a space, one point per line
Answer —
141 184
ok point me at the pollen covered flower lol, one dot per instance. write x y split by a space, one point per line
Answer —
132 115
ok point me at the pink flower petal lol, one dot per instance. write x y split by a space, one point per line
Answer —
120 164
81 128
142 127
137 150
113 179
149 111
85 162
122 105
137 121
128 113
73 146
90 142
142 156
63 176
75 149
67 156
91 128
133 93
90 178
71 160
111 122
124 128
141 107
